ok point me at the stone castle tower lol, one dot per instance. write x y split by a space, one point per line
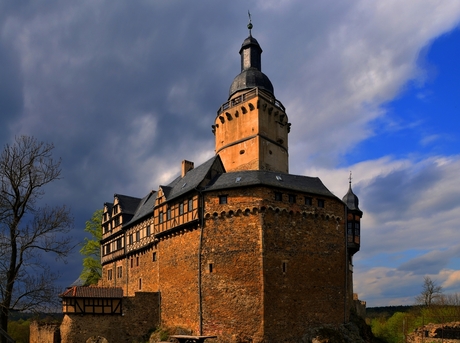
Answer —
236 247
252 128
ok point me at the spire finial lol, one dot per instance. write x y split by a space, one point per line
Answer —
250 23
349 178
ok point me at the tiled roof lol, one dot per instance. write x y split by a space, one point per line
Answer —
93 292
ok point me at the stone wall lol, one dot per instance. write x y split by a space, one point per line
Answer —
141 314
44 333
257 267
277 267
445 333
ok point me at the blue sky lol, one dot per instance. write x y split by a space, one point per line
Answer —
127 90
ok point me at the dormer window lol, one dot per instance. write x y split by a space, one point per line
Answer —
115 209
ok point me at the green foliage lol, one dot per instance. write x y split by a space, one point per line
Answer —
19 330
393 329
92 269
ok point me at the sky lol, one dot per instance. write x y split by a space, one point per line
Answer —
126 90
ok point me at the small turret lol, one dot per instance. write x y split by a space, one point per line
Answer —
354 215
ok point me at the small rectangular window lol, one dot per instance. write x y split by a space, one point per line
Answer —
109 274
138 236
284 267
308 201
320 203
168 214
119 272
132 262
140 283
210 267
292 198
181 208
147 231
278 196
137 261
154 256
130 238
222 199
161 217
190 204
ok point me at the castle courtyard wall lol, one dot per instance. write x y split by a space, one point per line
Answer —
141 314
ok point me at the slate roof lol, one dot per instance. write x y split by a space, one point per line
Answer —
211 176
178 187
351 200
192 179
93 292
298 183
145 207
127 203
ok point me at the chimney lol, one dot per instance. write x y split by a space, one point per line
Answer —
186 166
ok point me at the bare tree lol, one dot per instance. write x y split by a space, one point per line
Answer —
27 230
430 292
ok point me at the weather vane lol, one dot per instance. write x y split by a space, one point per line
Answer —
250 23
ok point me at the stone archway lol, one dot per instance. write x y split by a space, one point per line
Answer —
97 339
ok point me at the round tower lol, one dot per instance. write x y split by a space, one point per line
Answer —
251 128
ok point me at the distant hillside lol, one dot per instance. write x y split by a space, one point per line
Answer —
386 311
15 315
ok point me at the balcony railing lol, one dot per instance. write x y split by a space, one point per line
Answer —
250 95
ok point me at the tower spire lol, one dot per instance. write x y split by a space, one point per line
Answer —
250 24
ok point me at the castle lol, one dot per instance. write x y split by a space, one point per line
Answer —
235 247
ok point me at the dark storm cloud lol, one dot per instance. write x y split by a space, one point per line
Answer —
392 196
430 263
11 83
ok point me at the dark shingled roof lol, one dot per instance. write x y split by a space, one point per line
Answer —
298 183
93 292
211 176
127 203
192 179
145 207
351 200
178 187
